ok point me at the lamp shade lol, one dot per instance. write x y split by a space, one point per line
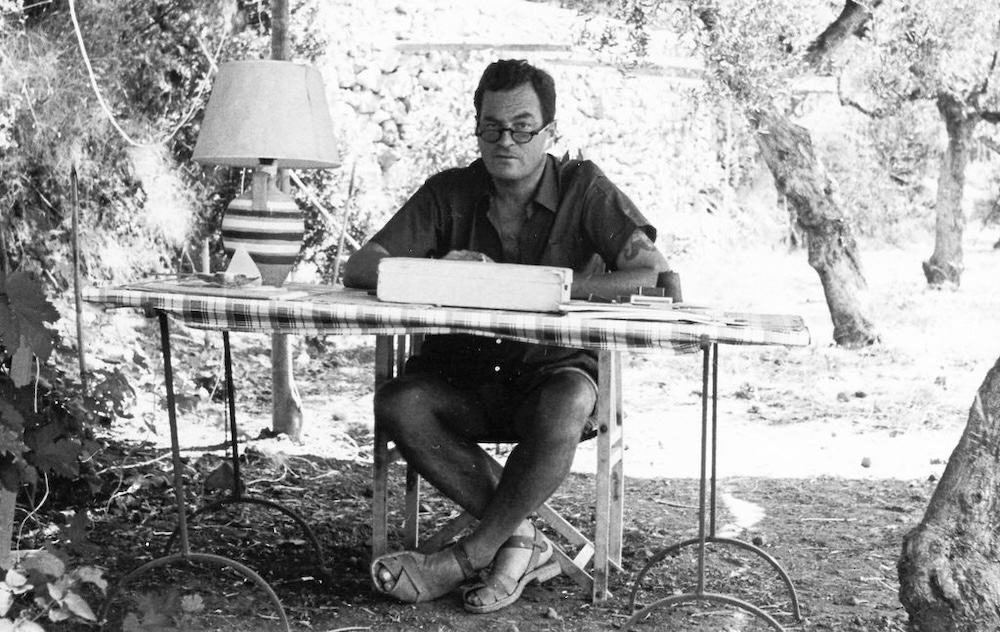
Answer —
265 110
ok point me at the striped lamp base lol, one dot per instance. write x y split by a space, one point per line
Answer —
271 236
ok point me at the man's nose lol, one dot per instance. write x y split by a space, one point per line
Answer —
506 138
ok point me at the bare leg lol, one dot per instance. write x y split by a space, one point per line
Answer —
436 428
550 423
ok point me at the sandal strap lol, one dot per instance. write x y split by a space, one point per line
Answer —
534 541
521 542
462 557
499 584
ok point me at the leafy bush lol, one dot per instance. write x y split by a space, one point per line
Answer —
41 586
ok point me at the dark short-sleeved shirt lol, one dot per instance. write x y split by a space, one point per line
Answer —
578 220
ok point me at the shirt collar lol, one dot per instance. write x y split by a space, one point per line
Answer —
547 193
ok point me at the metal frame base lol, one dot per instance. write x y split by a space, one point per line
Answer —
324 570
237 496
707 505
182 558
181 532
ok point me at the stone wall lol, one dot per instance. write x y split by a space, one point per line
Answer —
401 75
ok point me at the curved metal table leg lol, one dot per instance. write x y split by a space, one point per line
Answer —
693 597
197 557
237 496
674 549
324 570
706 523
178 480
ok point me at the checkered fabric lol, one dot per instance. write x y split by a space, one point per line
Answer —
319 309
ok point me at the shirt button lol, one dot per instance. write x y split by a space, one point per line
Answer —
496 369
499 341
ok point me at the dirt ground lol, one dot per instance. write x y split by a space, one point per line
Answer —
837 539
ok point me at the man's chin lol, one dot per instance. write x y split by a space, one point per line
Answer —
503 170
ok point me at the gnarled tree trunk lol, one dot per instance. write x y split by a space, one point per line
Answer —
949 571
800 177
945 265
802 181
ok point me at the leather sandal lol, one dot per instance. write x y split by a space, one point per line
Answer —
409 569
505 589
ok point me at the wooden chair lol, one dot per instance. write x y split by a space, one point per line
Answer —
595 558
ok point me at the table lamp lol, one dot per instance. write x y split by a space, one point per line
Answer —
266 115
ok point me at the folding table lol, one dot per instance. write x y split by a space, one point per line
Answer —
324 309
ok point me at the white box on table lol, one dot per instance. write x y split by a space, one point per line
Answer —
473 284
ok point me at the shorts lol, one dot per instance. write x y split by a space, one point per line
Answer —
501 391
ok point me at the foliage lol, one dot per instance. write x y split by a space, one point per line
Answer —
910 51
752 52
924 49
41 585
25 316
914 54
56 125
164 612
139 204
25 319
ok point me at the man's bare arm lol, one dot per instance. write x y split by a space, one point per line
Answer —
638 264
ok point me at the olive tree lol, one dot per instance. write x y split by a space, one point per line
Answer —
754 53
944 52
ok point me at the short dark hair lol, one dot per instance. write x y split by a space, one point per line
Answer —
507 74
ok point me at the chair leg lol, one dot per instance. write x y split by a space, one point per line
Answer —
380 493
384 369
411 525
617 459
609 479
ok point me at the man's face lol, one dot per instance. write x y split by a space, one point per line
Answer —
517 109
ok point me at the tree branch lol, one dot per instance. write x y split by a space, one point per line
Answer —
852 20
851 103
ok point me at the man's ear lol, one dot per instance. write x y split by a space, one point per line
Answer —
550 135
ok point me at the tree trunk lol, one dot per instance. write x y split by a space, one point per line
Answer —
286 407
945 265
949 578
809 191
801 179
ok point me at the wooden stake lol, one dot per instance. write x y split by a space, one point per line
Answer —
81 352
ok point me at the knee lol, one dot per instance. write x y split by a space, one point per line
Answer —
399 401
565 403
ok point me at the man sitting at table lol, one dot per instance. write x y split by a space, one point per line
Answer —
517 204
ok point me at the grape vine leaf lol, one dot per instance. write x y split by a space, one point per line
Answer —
11 430
25 314
52 452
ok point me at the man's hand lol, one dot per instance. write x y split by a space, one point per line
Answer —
467 255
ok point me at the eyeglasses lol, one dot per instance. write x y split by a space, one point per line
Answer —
519 136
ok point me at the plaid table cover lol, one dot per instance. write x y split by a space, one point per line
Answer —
319 309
